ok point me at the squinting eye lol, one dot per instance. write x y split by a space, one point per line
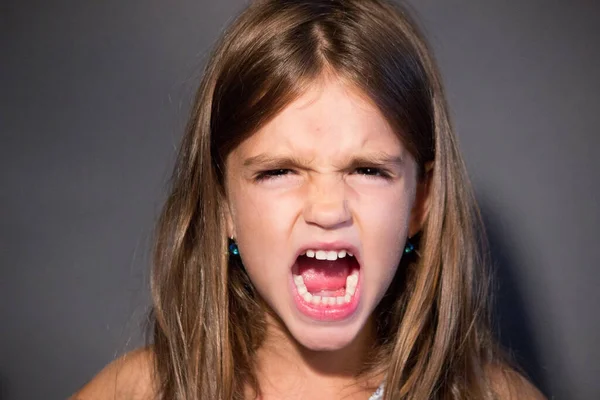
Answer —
272 174
372 172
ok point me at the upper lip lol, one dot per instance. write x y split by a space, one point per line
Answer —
331 246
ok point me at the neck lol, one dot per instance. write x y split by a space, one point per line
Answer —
286 367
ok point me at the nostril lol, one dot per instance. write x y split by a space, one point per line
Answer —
327 214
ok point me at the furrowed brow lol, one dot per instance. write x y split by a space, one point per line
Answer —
270 161
376 159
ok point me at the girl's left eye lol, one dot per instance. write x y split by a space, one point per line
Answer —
372 172
272 174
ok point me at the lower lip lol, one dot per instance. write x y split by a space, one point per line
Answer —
322 312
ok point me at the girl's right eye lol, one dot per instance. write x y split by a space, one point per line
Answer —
271 174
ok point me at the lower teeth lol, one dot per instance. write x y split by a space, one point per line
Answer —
308 297
331 300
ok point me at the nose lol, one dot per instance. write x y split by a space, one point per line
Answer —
327 205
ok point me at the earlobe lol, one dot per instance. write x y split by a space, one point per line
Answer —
420 208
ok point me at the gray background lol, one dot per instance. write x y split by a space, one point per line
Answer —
93 99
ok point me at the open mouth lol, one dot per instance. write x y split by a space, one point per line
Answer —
326 283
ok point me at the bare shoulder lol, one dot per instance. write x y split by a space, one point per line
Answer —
128 377
508 384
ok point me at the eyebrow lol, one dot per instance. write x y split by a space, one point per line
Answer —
266 160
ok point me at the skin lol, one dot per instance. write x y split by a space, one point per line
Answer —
324 199
329 167
130 378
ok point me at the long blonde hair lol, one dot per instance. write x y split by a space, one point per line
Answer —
433 334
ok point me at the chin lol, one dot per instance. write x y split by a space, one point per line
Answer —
325 338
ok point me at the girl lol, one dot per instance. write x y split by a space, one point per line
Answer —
321 239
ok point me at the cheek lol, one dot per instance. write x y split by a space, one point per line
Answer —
385 217
384 225
263 216
263 225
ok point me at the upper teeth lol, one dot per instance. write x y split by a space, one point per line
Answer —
330 255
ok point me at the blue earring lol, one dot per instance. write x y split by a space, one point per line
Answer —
409 247
233 248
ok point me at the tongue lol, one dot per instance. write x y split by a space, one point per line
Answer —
323 275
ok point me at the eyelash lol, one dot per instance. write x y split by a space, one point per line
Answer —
278 173
378 172
271 174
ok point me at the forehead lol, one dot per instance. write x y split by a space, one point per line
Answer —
330 119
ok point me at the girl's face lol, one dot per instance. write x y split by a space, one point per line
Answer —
321 201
